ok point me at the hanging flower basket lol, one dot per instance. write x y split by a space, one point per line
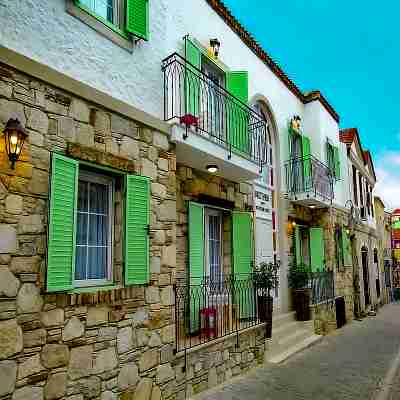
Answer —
189 120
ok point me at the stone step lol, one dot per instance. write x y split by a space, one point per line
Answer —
281 319
297 336
285 329
307 342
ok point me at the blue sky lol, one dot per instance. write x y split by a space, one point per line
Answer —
350 51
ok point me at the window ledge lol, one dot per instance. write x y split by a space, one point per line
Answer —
99 26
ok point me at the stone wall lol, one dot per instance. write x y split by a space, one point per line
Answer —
103 344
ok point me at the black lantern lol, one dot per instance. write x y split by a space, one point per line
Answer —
14 137
215 44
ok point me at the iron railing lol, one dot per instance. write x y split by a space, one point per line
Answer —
309 175
208 310
322 286
387 253
202 105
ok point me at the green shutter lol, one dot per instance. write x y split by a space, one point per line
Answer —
137 18
346 245
336 157
137 212
196 264
192 85
306 144
242 238
297 244
237 84
62 221
317 249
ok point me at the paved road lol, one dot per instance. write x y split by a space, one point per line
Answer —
359 361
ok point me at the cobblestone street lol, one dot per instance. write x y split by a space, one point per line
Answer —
350 364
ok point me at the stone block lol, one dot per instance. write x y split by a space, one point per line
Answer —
97 316
142 336
55 386
107 333
152 295
66 129
11 109
155 340
129 148
27 265
212 378
81 362
105 360
14 204
167 211
108 395
29 299
30 366
165 373
155 265
39 183
9 284
149 169
8 239
167 296
55 355
168 334
160 140
8 375
84 135
37 120
169 256
10 338
28 392
125 340
79 110
143 390
163 164
156 393
128 376
30 224
119 124
53 317
158 190
148 360
5 89
89 387
35 338
73 329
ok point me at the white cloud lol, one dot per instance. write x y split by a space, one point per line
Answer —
388 178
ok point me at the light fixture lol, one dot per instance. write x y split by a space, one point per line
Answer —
294 224
215 45
14 138
212 168
347 231
312 206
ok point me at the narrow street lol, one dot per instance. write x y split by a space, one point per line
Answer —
356 362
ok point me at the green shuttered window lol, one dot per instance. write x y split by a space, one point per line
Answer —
192 84
337 162
137 216
306 146
317 247
137 18
80 227
62 217
242 225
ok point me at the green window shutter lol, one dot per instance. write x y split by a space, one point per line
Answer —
346 244
337 161
62 222
306 145
317 249
242 240
137 213
192 82
297 244
137 18
237 84
196 264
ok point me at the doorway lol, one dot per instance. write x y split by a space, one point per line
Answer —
364 261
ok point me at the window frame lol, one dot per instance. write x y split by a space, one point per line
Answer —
107 29
94 177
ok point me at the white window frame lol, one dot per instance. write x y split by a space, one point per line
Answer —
93 177
209 211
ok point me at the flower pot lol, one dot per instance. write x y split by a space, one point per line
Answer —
265 309
301 302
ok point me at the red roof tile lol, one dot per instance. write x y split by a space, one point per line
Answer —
347 135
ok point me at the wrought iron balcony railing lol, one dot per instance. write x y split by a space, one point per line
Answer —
322 287
198 103
309 175
209 309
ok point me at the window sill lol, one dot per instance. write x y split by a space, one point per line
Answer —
94 289
105 29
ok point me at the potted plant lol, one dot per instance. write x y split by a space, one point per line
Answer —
265 279
298 279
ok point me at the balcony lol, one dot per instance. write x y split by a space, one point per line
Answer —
309 182
210 125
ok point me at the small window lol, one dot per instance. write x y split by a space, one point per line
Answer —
94 230
214 250
330 158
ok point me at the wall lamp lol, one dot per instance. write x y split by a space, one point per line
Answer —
215 45
15 137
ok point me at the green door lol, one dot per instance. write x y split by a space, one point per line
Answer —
242 235
192 80
237 84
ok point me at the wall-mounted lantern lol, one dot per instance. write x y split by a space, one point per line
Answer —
215 45
15 136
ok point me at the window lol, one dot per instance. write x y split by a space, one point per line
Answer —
330 157
118 20
94 230
355 191
214 239
84 213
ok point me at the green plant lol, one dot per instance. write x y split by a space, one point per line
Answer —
299 276
266 277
